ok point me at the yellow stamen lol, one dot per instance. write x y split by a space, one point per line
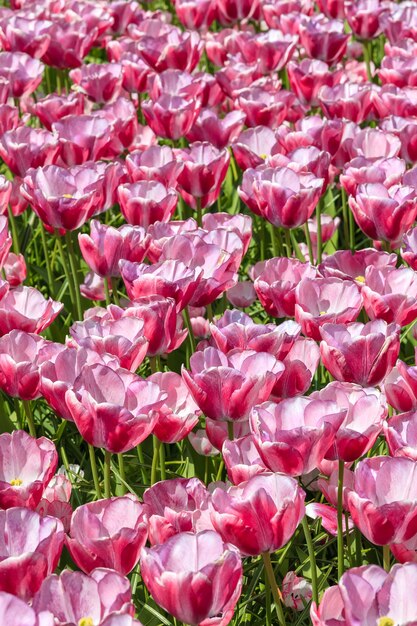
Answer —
323 312
68 195
16 482
263 156
86 621
386 621
360 279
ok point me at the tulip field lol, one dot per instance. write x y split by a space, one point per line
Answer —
208 313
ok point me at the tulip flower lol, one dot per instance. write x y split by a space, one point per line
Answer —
365 17
25 308
174 506
294 436
360 171
15 612
360 353
25 147
220 132
114 410
296 591
202 573
156 163
171 117
227 387
196 14
120 533
253 146
15 270
101 82
30 548
219 432
242 459
263 107
173 49
23 73
386 515
309 76
27 466
259 515
389 294
352 101
300 366
73 598
55 500
271 50
53 107
346 264
146 202
324 39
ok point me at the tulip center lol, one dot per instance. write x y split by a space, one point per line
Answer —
386 621
16 482
323 312
86 621
68 195
360 279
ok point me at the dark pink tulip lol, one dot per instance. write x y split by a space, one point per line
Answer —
195 577
53 107
106 246
260 515
324 39
271 50
175 506
365 17
294 436
227 387
309 76
122 338
82 138
179 413
219 131
27 465
169 278
6 187
332 8
172 50
368 595
384 214
230 11
286 198
115 410
59 372
274 11
15 270
242 459
174 83
119 534
390 294
253 146
300 366
218 432
388 514
171 117
325 300
400 433
23 73
352 101
204 170
361 170
264 107
276 283
239 224
18 204
236 329
25 308
196 14
71 40
400 387
25 147
236 75
30 548
146 202
124 129
398 70
346 264
55 500
21 354
156 163
366 410
64 197
20 34
15 612
135 72
360 353
328 517
73 598
296 591
101 82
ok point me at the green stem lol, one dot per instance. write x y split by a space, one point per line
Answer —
74 272
367 49
107 469
15 236
358 546
154 470
29 417
386 558
94 471
340 547
351 232
345 212
274 245
114 282
296 247
187 321
107 291
51 282
199 212
210 312
162 461
312 558
319 234
274 587
230 430
65 267
142 464
262 237
122 473
309 244
288 242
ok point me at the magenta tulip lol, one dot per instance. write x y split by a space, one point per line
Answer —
390 294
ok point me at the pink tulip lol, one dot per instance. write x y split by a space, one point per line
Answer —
366 410
174 82
30 548
100 82
6 188
346 264
382 501
5 245
20 34
53 107
220 132
171 117
389 294
309 76
70 43
236 10
296 591
179 413
115 410
271 50
162 232
352 101
332 8
93 287
260 515
253 146
242 294
15 270
329 486
172 50
27 466
146 202
15 612
274 12
119 534
242 459
125 132
23 73
73 598
156 163
374 144
325 300
328 517
25 147
106 245
324 39
239 224
204 170
360 353
400 387
218 432
294 436
82 138
55 500
276 284
195 14
175 506
25 308
409 251
195 577
201 444
368 595
365 17
360 171
400 435
64 197
265 107
169 278
300 366
227 387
